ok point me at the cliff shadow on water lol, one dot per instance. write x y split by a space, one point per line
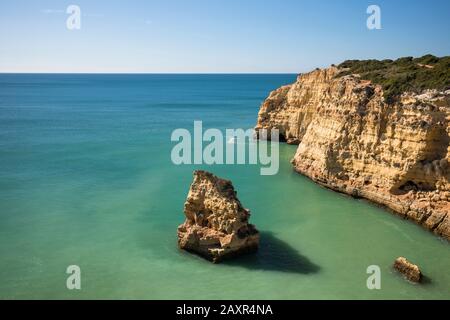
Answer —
275 255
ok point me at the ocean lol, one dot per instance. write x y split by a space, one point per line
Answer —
86 179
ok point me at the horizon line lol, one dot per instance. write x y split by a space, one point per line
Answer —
148 73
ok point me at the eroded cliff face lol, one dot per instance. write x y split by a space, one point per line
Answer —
351 141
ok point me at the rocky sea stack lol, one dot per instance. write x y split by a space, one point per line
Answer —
408 269
216 225
379 130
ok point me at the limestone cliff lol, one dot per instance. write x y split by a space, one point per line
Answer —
351 140
216 225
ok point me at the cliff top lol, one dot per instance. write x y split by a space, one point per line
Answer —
404 74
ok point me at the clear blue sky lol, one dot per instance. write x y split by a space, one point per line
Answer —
214 35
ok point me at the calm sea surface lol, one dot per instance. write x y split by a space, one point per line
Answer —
86 179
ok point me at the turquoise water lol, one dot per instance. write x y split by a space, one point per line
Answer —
86 179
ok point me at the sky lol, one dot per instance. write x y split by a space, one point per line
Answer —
214 36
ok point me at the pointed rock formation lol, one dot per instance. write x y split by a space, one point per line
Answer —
216 225
408 269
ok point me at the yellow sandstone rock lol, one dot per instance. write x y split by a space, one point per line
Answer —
216 225
350 140
408 269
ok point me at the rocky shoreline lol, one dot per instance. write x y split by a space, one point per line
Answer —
352 141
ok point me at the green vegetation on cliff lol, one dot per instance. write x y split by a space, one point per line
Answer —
403 74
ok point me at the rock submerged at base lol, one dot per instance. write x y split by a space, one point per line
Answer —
408 269
216 225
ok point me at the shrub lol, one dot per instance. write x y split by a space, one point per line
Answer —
403 74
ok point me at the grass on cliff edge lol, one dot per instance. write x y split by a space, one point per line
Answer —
403 74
